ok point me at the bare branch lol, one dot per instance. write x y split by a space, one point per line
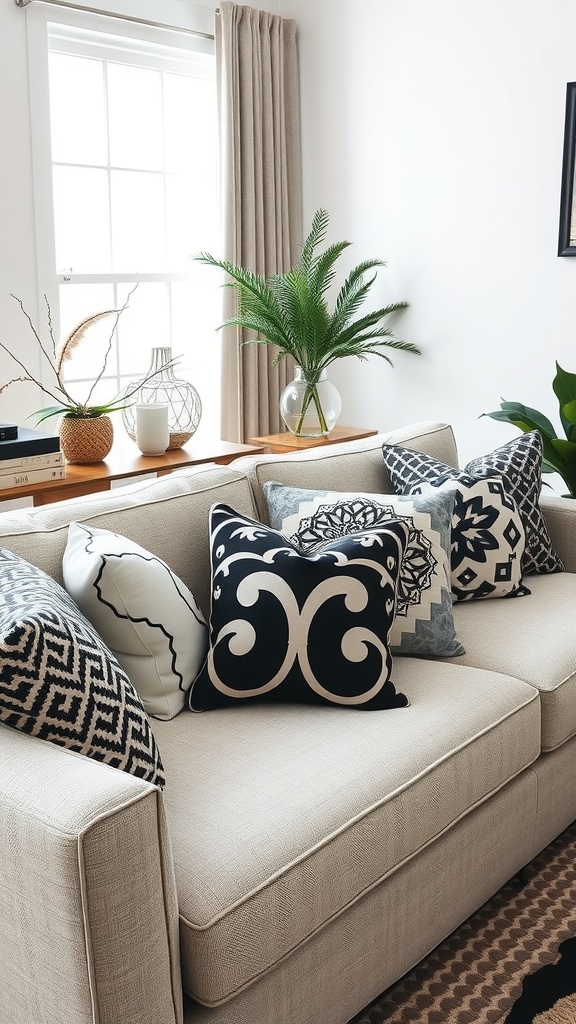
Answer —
118 313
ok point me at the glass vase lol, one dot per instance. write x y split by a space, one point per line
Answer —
310 405
184 405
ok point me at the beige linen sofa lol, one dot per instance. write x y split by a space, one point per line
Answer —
300 859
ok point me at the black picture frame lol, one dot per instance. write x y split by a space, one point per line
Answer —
567 232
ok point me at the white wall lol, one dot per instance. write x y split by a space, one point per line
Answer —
433 132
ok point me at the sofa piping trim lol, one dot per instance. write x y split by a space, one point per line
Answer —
126 507
84 900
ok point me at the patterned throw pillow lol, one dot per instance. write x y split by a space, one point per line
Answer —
424 623
518 464
58 680
285 626
487 539
144 613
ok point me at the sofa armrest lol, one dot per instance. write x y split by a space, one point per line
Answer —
560 514
88 911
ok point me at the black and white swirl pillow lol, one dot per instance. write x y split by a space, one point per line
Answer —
286 626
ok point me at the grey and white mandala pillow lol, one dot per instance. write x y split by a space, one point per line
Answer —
518 464
424 623
144 612
59 681
286 626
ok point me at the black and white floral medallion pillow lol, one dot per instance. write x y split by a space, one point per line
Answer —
286 626
487 539
424 623
518 464
143 611
59 681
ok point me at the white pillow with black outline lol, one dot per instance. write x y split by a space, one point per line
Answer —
143 611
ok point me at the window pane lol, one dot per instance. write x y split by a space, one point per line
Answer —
135 116
77 110
147 326
81 220
195 316
138 233
77 302
189 121
190 222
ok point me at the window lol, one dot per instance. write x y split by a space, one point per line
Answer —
125 164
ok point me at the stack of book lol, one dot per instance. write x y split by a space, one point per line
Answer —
28 457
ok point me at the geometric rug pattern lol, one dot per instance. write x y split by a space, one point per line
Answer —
512 962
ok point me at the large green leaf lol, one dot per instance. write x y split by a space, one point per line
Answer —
569 411
566 451
564 387
524 417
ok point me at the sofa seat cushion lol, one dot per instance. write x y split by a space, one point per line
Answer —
281 816
534 640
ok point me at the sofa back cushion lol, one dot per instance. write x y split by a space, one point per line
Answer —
167 516
336 467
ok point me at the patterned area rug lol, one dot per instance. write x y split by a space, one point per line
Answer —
513 962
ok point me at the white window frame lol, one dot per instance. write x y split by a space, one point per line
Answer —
185 29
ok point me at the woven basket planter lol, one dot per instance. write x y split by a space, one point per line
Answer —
84 441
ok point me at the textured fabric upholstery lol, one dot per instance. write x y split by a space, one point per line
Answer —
379 937
560 515
152 514
536 642
308 808
318 853
85 880
337 466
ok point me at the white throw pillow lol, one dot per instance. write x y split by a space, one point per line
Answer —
144 613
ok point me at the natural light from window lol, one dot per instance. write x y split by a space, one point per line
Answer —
133 161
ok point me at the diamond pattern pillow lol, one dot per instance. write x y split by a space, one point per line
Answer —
518 464
424 623
58 680
285 626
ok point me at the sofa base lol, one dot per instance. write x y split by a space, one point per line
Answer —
338 971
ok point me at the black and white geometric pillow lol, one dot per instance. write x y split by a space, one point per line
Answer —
519 465
424 623
143 611
285 626
58 680
487 539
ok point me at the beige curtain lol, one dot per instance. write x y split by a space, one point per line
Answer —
261 194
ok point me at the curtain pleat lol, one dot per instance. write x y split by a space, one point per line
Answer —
259 107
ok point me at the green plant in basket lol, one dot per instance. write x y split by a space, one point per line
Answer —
290 311
559 453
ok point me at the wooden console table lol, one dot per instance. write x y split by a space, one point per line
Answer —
287 442
125 461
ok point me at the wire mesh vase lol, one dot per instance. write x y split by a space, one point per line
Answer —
182 398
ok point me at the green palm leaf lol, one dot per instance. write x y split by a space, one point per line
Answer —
290 310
